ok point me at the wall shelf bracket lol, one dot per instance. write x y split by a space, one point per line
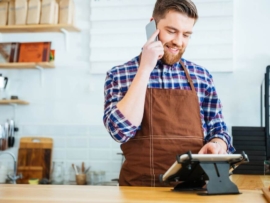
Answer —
41 74
66 34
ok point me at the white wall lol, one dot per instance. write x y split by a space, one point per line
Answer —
118 33
69 107
240 90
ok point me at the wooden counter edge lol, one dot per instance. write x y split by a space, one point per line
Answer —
266 193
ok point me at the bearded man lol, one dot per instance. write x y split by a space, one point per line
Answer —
159 104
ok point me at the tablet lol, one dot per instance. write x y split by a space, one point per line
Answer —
177 165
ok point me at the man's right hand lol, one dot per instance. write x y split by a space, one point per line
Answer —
151 53
135 96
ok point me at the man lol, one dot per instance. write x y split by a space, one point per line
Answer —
159 105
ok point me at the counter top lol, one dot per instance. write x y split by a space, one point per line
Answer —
250 187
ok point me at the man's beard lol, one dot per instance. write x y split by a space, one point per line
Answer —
169 58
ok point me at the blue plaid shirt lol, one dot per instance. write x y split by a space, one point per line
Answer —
163 76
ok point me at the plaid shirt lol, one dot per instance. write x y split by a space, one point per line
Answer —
163 76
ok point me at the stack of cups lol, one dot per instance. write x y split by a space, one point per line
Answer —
3 173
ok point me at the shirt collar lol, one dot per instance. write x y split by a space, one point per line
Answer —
161 65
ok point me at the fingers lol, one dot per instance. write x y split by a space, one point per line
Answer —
219 148
222 152
212 148
200 152
151 52
155 44
157 47
153 37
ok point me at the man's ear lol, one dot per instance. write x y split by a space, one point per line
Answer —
151 19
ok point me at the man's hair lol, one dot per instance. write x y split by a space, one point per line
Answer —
162 7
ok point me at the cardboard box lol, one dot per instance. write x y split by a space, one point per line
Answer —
34 8
67 11
11 13
20 12
56 13
34 52
47 12
3 13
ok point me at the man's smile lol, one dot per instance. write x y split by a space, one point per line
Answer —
173 50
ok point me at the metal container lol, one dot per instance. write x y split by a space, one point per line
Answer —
3 137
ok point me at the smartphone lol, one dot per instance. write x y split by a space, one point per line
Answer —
150 29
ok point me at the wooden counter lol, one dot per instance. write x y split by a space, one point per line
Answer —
250 186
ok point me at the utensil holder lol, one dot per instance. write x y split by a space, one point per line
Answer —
81 179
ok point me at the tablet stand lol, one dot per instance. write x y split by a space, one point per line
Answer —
214 174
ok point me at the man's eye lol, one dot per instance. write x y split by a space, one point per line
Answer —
171 32
187 36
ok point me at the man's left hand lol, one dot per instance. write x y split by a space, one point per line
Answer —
215 146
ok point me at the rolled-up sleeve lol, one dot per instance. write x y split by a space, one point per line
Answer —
212 108
115 122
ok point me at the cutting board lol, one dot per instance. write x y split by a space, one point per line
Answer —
34 158
266 193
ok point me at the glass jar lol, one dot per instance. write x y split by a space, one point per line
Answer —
72 176
57 175
95 178
98 177
102 177
89 178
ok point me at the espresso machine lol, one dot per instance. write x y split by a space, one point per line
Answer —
3 86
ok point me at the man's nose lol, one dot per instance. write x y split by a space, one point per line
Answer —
178 40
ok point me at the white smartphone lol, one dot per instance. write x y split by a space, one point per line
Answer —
150 29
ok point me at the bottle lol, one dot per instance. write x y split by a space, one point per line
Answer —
57 175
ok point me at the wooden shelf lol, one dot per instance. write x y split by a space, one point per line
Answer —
26 65
38 28
20 102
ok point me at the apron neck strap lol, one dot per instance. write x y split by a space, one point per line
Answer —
188 76
186 72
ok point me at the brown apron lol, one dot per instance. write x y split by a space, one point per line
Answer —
171 125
